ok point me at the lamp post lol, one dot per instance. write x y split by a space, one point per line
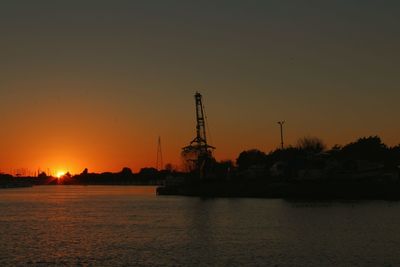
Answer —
281 127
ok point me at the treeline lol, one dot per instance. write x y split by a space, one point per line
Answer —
146 176
310 153
8 181
308 159
364 169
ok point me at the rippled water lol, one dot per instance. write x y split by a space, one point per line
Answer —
131 226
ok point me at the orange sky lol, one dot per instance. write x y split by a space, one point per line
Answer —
94 85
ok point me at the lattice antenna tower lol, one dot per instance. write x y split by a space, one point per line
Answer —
160 162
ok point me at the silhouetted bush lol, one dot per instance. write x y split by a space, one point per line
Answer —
42 175
250 158
311 145
366 148
126 172
393 157
148 171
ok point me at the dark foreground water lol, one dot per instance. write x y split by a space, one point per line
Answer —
131 226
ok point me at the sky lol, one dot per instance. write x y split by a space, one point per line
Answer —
92 84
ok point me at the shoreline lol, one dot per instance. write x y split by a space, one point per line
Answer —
287 190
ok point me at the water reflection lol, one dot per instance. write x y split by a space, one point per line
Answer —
120 226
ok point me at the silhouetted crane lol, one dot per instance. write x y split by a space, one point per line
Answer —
199 151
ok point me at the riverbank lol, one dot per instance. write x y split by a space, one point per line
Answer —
296 189
15 185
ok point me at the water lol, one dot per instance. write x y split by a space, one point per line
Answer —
131 226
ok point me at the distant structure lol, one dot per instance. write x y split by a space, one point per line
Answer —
281 127
198 152
159 163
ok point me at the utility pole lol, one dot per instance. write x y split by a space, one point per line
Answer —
281 126
160 163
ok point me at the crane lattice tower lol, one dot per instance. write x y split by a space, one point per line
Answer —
198 148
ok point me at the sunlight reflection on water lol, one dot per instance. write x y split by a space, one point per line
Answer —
120 226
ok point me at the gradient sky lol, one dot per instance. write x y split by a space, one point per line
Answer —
93 83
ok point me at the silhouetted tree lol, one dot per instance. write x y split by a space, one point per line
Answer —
126 172
287 154
336 148
67 175
148 171
4 178
168 167
392 157
311 144
335 152
289 160
228 164
42 175
395 152
366 148
223 169
249 158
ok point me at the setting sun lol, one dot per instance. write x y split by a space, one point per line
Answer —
60 174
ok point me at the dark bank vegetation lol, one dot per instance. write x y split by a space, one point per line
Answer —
310 159
146 176
365 167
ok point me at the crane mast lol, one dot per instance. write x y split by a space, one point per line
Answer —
199 151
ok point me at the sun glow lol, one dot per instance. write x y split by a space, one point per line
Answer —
60 174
